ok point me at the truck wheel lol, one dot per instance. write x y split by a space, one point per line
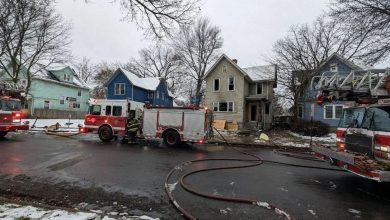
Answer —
105 133
171 139
3 133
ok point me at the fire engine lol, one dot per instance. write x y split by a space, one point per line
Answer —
134 120
363 133
10 109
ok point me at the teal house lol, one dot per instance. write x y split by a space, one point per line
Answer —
55 93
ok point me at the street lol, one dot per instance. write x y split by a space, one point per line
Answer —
81 172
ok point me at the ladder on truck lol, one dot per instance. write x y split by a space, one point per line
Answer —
363 82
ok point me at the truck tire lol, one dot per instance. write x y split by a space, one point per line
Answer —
105 133
3 133
172 138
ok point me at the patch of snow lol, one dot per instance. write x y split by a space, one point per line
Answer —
354 211
41 123
172 186
225 211
263 204
14 211
232 183
330 138
312 212
284 189
281 212
294 144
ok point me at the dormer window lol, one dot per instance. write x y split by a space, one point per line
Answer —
333 67
66 77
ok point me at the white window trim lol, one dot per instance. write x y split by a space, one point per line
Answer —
262 88
219 89
124 88
227 106
333 111
234 83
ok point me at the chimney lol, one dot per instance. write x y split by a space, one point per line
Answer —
235 61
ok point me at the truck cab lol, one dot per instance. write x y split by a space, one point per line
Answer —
11 115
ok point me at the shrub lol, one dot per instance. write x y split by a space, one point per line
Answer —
307 128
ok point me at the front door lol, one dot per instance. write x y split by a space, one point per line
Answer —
253 112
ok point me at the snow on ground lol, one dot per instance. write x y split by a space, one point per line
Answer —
41 123
14 211
330 138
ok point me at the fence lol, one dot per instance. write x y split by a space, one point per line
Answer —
57 114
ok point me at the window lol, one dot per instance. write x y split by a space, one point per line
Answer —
300 111
352 117
76 105
333 67
79 92
108 109
163 95
333 111
157 95
119 88
215 106
216 84
66 77
62 100
116 110
46 104
224 68
259 88
95 110
223 106
231 83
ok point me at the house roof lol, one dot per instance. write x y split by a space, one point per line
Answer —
255 73
39 72
148 83
342 59
260 73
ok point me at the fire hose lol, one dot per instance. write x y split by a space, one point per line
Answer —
256 161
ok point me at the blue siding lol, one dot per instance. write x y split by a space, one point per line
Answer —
120 78
139 94
311 94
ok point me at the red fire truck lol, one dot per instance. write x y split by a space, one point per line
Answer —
363 133
115 118
10 110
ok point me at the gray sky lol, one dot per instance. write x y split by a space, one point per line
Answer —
249 27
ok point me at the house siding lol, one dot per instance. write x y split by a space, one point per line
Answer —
42 91
138 94
236 96
120 78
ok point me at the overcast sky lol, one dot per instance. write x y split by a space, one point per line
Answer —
249 27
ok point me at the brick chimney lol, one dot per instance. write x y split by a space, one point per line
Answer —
235 61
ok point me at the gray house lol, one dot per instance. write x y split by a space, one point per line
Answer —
328 113
242 95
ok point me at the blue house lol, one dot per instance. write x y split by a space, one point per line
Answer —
126 85
328 113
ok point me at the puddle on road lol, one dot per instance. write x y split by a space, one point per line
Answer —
67 163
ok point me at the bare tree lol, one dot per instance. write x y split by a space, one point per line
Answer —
31 32
158 60
84 69
371 17
160 17
197 46
306 47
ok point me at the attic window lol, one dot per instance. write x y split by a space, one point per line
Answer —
333 67
224 68
119 89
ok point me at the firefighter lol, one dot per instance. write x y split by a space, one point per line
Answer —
133 126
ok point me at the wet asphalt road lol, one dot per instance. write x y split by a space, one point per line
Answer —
305 193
